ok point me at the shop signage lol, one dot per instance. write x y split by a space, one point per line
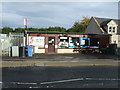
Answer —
83 42
63 37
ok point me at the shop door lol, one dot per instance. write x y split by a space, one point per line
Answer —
51 44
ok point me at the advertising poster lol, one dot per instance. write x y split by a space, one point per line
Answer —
37 41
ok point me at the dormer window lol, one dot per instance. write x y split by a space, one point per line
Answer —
111 30
112 27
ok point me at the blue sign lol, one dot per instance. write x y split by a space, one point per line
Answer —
84 42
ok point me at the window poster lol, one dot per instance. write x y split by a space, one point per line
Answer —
37 41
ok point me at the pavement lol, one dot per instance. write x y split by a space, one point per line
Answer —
61 60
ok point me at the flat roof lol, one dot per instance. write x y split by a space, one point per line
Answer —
57 32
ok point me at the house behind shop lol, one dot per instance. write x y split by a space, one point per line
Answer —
106 26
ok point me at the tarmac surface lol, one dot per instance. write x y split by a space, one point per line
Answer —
61 77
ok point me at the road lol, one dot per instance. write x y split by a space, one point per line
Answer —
60 77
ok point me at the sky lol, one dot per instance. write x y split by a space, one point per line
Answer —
51 14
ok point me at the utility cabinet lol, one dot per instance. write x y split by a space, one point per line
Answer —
15 50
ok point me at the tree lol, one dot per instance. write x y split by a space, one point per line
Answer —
54 29
19 30
0 30
85 20
57 29
6 30
80 26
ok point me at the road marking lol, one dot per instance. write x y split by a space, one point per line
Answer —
26 83
79 79
63 81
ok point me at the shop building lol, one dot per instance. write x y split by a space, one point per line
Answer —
44 42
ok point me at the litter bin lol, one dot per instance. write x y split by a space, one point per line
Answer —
21 51
28 51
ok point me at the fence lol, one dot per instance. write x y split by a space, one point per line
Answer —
16 39
7 41
5 44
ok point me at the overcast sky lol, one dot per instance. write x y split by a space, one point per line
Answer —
46 14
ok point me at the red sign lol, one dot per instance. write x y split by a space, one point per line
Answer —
25 22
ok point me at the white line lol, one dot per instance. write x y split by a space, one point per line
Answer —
102 79
69 80
26 83
62 81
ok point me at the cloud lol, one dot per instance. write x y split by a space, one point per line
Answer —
60 0
45 14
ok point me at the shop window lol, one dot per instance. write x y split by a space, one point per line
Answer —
63 42
68 42
51 41
94 42
75 41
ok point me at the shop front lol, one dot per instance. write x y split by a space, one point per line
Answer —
68 43
42 42
53 42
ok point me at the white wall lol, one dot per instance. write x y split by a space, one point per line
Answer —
115 39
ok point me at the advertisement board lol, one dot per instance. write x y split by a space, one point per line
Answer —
37 41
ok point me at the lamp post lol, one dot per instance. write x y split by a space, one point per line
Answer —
25 35
25 24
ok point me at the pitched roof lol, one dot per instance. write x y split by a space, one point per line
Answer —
99 25
104 21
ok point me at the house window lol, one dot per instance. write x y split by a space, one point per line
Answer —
112 29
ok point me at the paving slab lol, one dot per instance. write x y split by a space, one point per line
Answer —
60 60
